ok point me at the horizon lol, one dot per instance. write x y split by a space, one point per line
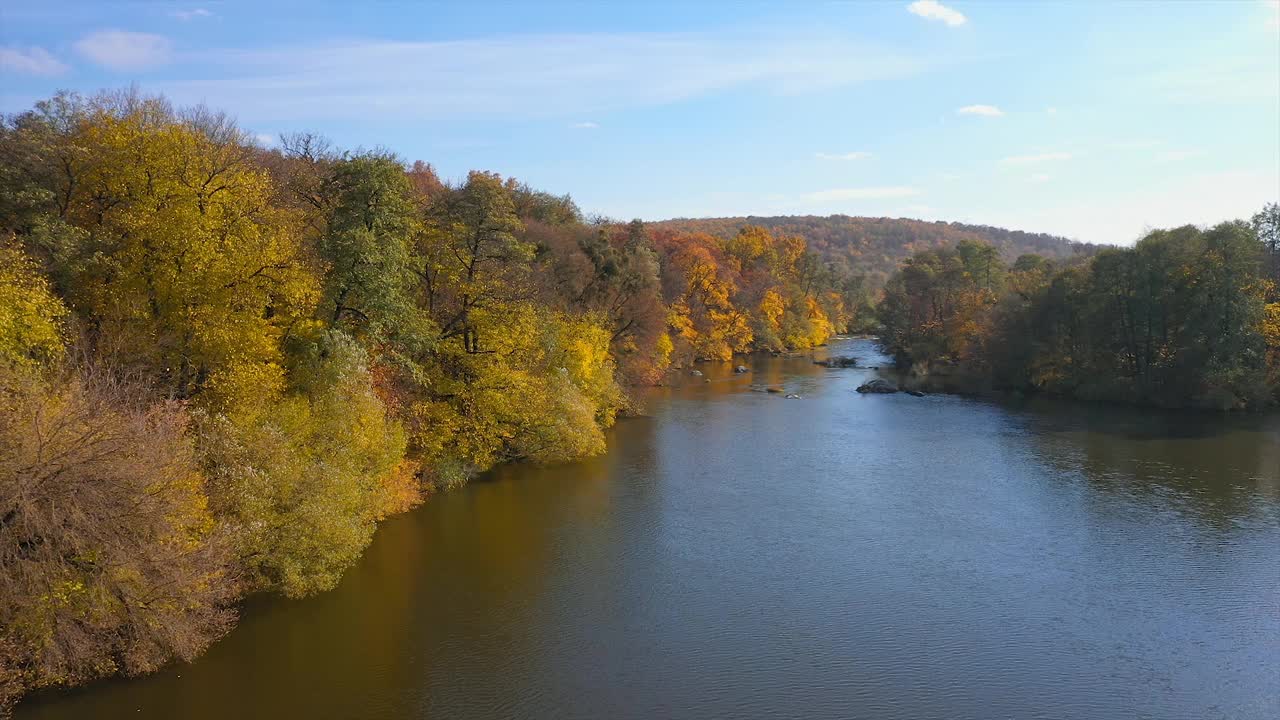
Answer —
1093 123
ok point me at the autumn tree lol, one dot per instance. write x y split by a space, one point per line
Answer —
32 318
109 558
177 258
1180 319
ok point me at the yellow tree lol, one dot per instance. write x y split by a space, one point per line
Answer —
702 312
1271 336
31 316
185 267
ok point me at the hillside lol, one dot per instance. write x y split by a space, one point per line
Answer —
875 246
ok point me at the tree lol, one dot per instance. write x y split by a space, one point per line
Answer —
472 255
1266 224
109 558
180 263
1179 319
299 479
32 318
699 288
367 245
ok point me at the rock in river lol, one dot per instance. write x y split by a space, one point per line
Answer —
839 361
879 385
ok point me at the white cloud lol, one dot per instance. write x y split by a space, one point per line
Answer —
1273 18
265 139
186 15
549 75
869 193
31 61
1040 178
983 110
856 155
122 50
588 125
1051 110
1035 159
932 10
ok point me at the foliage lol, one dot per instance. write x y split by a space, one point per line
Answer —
873 247
31 316
300 478
370 226
180 261
1180 319
109 558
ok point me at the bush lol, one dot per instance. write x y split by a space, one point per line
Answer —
109 559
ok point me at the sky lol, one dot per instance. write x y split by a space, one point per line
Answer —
1096 121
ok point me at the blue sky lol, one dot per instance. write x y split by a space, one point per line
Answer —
1091 120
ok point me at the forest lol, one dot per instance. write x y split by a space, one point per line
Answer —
222 363
1187 318
874 247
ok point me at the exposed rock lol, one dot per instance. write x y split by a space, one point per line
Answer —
793 396
740 369
879 385
914 393
839 361
696 373
773 389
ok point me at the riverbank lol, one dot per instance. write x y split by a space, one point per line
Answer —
927 559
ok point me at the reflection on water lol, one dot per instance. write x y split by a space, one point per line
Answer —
737 554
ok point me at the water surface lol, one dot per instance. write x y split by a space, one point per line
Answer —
736 554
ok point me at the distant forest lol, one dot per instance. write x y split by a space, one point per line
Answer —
875 246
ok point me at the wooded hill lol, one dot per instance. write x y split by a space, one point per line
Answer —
875 246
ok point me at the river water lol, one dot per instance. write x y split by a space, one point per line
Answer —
736 554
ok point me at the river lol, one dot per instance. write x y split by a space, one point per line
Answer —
736 554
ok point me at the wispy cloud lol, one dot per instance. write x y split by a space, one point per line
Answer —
856 155
265 139
1040 178
566 75
1035 159
30 61
587 125
1273 17
1177 155
915 211
1135 144
188 15
867 193
122 50
1234 78
983 110
931 10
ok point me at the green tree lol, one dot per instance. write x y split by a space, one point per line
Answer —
367 246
